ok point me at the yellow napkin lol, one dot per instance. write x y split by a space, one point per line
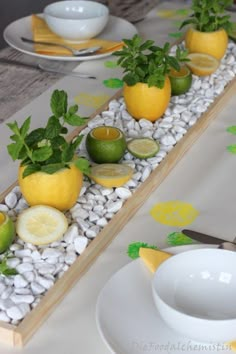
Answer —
41 32
153 258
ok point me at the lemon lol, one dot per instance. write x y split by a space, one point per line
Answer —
59 190
202 64
143 147
41 225
7 232
106 144
111 175
180 80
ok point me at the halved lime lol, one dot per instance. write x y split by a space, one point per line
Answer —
106 144
180 80
7 232
143 148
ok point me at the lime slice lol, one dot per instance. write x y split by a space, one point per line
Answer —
111 175
41 225
7 232
143 147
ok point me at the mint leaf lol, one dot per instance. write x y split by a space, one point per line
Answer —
31 169
52 168
133 248
42 153
83 165
59 103
35 136
74 120
53 128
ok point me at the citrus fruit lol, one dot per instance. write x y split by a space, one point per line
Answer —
7 232
111 175
202 64
147 102
212 43
180 80
41 225
59 190
143 147
106 144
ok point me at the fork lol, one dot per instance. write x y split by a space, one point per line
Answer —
75 52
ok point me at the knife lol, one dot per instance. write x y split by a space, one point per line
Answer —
204 238
40 67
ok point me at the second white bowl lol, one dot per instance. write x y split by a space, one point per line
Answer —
195 294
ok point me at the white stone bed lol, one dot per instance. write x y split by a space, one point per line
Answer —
40 267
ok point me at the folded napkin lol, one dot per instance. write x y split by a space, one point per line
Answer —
153 258
41 32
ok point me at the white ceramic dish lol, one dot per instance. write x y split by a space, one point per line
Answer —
194 293
128 321
116 30
76 20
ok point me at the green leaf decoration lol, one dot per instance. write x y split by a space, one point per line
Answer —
110 64
182 12
4 269
133 249
231 129
113 83
176 35
74 120
178 239
232 148
52 168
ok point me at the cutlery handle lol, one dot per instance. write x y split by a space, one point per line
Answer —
70 73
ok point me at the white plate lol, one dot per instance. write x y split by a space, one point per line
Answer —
128 321
116 30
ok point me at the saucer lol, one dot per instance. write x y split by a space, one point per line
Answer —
128 321
116 30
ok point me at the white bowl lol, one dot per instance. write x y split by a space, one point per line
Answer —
76 20
195 294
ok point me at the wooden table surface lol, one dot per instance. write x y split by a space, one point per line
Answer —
20 85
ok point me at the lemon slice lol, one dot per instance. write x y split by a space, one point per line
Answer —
111 175
153 258
202 64
143 147
7 232
41 225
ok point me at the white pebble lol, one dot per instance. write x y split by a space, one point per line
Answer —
15 313
24 267
80 244
102 222
37 288
71 233
4 317
51 253
70 258
18 299
45 282
168 139
20 281
113 207
11 200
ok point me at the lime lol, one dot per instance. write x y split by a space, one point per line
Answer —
111 175
7 232
41 225
143 147
106 144
180 81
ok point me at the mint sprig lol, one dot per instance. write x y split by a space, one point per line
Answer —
4 269
145 62
209 16
46 149
133 248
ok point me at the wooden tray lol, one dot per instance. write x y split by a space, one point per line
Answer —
18 335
